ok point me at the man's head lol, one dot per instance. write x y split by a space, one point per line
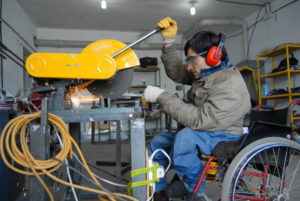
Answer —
196 50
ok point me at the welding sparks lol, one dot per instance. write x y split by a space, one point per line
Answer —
82 96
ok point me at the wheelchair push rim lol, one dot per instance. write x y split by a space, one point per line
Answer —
267 169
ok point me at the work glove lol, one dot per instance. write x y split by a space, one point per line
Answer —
169 29
151 93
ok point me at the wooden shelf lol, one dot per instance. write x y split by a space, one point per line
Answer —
278 74
147 69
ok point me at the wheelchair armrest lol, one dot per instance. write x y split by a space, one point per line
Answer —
273 124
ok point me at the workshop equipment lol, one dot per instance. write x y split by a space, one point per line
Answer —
104 67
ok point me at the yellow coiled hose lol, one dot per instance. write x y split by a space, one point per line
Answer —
16 129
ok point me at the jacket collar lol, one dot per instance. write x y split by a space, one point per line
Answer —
224 64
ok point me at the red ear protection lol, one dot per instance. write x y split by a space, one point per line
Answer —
215 53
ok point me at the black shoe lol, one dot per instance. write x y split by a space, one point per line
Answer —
160 196
193 197
176 189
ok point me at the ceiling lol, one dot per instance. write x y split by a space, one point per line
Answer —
130 15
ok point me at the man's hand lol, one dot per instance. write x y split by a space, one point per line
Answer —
151 93
169 31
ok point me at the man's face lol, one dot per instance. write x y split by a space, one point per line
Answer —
195 62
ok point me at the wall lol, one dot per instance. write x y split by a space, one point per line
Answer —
17 32
282 27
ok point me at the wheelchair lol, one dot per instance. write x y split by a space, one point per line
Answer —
263 166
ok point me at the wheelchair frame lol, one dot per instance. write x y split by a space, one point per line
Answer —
245 158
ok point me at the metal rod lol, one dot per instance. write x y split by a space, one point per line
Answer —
136 42
44 127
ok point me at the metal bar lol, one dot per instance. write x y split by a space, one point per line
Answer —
40 149
136 42
118 151
44 127
202 175
4 47
93 131
102 114
74 129
138 155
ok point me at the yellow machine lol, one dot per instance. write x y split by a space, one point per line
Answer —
94 62
105 67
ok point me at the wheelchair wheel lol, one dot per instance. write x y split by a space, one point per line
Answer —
265 170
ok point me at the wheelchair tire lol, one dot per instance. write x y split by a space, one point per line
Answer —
267 169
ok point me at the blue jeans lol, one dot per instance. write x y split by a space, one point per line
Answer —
183 148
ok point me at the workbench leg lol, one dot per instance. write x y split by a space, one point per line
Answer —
74 129
40 149
118 151
138 154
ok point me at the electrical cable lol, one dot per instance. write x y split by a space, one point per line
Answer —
168 167
168 157
106 172
278 9
15 131
88 179
100 178
261 19
70 179
12 59
67 164
240 3
152 194
11 28
249 43
3 46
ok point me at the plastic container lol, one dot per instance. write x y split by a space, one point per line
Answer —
265 90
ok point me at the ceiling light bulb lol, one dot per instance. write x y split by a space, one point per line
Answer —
193 10
103 4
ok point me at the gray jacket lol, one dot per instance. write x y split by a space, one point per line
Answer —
218 102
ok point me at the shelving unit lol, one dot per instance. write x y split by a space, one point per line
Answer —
156 71
288 74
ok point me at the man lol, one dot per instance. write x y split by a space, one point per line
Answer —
218 101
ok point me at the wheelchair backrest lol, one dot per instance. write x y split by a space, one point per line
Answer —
280 116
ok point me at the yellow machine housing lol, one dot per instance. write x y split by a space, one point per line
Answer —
93 63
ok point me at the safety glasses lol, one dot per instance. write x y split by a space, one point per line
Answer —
192 59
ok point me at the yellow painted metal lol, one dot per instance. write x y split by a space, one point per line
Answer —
71 66
125 60
93 63
288 73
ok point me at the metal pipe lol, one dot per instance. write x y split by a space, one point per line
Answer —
82 44
60 43
136 42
